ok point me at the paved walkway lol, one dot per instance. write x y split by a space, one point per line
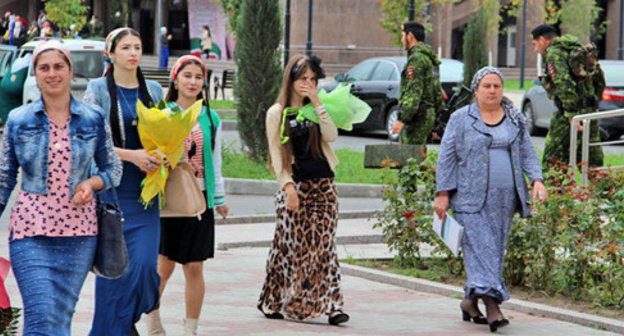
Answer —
234 279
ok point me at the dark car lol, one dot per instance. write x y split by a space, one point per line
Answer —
538 108
377 82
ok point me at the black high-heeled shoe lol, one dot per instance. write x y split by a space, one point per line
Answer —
478 319
338 318
501 322
272 316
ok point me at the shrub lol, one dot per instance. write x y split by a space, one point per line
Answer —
9 318
573 242
571 245
406 219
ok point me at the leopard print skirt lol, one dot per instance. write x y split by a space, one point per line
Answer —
303 274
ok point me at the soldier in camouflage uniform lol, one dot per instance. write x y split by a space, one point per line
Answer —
421 94
574 91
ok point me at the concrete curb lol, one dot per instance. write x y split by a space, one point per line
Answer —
346 240
236 186
234 220
222 112
228 125
526 307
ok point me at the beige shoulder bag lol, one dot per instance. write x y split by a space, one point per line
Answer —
183 197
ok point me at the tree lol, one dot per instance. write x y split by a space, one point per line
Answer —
65 13
259 72
232 8
395 12
475 45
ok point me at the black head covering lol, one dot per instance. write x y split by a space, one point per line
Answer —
315 65
417 29
543 29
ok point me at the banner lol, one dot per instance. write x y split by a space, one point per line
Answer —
210 13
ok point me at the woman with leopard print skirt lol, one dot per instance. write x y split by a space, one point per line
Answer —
303 274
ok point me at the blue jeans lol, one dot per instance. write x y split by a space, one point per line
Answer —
50 272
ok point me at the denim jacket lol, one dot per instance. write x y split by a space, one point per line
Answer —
25 145
97 93
463 162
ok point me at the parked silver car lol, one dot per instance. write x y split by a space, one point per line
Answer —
538 108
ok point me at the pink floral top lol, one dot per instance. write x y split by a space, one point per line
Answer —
54 214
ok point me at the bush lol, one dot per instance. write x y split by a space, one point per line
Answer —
571 245
9 318
406 220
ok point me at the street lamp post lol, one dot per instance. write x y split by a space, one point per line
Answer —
287 33
410 11
159 24
309 43
523 45
428 19
620 35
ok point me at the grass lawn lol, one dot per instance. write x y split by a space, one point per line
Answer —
350 170
437 269
514 84
222 104
614 160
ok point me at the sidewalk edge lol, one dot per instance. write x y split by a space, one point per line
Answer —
345 240
526 307
239 186
255 219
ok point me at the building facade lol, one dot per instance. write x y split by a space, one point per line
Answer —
344 32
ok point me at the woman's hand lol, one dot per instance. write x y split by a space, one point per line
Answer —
441 204
144 161
84 190
292 199
309 90
223 211
539 191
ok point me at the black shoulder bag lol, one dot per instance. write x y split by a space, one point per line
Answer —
111 255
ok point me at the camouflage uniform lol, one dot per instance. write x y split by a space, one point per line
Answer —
572 96
420 85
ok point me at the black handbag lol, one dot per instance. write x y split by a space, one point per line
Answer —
111 255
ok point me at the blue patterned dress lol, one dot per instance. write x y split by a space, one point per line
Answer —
486 231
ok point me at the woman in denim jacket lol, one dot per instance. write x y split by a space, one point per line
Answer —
119 303
53 226
485 153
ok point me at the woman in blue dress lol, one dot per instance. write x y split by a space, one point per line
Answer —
485 154
119 303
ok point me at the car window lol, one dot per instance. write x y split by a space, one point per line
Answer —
383 71
5 60
451 71
361 71
86 64
614 73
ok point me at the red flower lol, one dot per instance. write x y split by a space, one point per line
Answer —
409 214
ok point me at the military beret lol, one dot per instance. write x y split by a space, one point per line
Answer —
542 30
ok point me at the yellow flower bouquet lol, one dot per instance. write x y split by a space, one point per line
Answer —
162 130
